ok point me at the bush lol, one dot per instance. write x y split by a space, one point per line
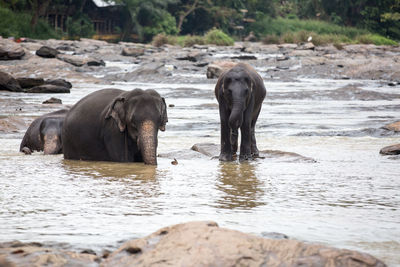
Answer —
162 39
18 25
191 40
165 25
218 37
375 39
270 39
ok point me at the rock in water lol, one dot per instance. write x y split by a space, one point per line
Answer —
59 82
8 83
9 50
52 100
30 82
216 68
48 88
395 126
132 51
47 52
391 150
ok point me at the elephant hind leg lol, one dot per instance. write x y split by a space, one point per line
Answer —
254 149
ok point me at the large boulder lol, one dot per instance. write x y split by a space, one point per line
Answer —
205 244
8 83
215 69
390 150
73 59
132 51
59 82
26 82
47 52
10 50
146 71
48 88
395 126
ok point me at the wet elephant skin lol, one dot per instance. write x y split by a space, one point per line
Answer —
115 125
240 92
44 133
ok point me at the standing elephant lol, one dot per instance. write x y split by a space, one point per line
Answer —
115 125
240 92
44 134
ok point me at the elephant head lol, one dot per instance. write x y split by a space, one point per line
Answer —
237 87
50 135
140 114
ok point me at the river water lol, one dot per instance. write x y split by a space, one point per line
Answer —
348 198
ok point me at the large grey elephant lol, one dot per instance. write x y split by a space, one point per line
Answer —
115 125
240 92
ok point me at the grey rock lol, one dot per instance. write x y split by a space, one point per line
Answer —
390 150
59 82
9 50
26 82
52 100
48 88
132 51
8 83
47 52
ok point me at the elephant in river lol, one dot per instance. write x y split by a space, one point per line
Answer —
115 125
240 92
44 134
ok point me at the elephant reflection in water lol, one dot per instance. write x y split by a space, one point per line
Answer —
239 186
132 181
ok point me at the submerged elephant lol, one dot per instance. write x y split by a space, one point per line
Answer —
44 134
240 92
115 125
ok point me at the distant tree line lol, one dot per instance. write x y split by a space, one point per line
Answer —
147 18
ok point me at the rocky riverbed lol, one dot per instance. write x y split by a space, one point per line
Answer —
327 115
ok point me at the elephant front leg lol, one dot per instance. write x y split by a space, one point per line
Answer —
234 141
226 147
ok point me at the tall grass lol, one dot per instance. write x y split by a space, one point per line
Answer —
214 36
283 30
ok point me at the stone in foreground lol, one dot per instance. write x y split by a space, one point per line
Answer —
391 150
205 244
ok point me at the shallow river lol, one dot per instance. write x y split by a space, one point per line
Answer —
349 198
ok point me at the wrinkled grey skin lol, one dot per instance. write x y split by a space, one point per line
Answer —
44 133
115 125
240 92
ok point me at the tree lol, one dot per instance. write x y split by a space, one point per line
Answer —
39 7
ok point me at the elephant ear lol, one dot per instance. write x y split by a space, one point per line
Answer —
164 116
117 112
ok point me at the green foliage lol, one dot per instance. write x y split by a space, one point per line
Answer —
191 40
18 25
80 26
164 24
375 39
218 37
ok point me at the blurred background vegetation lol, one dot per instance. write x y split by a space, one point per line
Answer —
189 22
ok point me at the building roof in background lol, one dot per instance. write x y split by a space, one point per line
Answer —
102 3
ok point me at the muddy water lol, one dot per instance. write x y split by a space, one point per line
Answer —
350 198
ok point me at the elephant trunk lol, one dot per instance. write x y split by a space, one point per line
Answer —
236 117
148 142
51 144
